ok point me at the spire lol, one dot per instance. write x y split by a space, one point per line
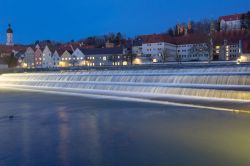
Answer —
9 30
178 28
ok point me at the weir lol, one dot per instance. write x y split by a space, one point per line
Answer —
221 83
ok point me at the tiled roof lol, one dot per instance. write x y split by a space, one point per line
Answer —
61 49
232 37
155 38
102 51
9 49
231 17
190 39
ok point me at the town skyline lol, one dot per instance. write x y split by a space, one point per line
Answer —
49 28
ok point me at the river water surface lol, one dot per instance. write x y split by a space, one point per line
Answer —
53 130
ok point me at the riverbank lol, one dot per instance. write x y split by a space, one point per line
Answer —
157 66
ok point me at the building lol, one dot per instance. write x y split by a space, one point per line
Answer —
192 47
29 58
79 57
47 57
20 57
55 59
3 66
9 32
231 22
38 57
228 44
106 56
109 45
137 47
66 59
244 52
159 48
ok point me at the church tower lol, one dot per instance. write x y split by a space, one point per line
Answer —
9 32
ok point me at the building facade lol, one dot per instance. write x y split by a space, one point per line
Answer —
47 58
106 57
231 22
29 58
38 57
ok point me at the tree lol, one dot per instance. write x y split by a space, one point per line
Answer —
170 32
245 23
202 26
178 58
209 46
37 42
165 55
110 37
118 39
204 47
130 58
11 60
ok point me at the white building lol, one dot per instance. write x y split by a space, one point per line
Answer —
29 58
157 50
47 58
231 22
192 52
79 57
55 59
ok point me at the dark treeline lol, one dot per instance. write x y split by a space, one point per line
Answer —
117 39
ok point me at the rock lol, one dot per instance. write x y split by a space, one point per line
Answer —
11 117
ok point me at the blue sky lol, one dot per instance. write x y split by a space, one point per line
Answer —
63 20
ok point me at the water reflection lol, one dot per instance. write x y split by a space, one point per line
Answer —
61 130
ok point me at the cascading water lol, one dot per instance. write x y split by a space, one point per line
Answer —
219 83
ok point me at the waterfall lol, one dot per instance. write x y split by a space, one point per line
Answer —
219 83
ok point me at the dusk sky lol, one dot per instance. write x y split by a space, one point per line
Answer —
63 20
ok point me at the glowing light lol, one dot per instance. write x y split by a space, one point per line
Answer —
155 60
62 64
137 61
125 63
25 65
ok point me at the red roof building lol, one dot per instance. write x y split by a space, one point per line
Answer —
231 17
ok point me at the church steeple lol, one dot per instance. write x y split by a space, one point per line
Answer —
9 32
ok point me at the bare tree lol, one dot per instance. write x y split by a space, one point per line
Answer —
178 58
130 58
165 55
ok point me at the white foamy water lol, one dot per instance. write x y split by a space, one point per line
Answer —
218 83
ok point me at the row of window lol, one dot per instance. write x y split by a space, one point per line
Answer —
194 56
66 59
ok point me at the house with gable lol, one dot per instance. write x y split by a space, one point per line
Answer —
47 58
38 57
79 57
55 59
29 58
